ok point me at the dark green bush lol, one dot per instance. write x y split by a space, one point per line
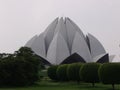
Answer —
52 72
109 73
89 72
19 70
62 72
73 71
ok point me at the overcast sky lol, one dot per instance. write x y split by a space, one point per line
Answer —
22 19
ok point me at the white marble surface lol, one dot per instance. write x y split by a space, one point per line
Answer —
63 38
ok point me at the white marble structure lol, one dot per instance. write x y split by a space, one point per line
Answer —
63 38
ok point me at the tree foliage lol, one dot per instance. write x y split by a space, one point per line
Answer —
89 73
109 73
62 72
21 68
73 71
52 72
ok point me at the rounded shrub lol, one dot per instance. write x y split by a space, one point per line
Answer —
109 73
89 73
73 71
52 72
62 72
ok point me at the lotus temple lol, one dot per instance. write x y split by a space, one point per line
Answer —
63 42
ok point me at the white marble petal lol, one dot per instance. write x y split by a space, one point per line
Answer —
58 50
77 28
49 33
70 32
29 43
96 47
95 59
111 58
38 46
80 47
61 28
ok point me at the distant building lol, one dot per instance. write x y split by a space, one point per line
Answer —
64 42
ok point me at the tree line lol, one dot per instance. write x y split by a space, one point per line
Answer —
107 73
20 68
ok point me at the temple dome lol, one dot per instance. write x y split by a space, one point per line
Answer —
63 38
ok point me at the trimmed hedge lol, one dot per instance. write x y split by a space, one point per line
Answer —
109 73
89 72
73 71
62 72
52 72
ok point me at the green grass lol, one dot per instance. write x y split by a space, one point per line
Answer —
49 85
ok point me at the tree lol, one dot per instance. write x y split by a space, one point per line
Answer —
73 71
52 72
89 73
20 68
62 72
109 73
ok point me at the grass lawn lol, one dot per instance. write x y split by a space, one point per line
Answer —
48 85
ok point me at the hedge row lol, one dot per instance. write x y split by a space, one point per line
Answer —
52 72
107 73
61 72
73 71
89 73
